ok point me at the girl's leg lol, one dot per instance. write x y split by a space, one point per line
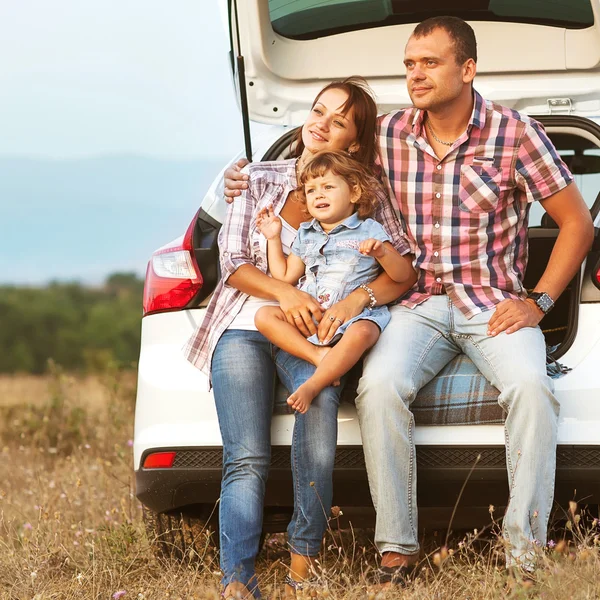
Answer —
243 378
271 322
357 339
313 455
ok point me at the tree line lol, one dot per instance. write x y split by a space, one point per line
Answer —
79 327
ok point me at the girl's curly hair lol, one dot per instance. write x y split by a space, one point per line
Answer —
354 173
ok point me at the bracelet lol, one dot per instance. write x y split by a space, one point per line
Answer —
372 299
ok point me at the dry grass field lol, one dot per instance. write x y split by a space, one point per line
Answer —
71 527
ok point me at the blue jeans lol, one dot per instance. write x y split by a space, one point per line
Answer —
414 347
244 367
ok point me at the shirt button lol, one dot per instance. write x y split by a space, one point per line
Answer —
439 167
439 280
438 195
436 253
437 225
225 253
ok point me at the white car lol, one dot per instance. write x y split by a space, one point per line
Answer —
546 65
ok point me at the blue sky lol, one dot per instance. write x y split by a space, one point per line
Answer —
87 77
115 116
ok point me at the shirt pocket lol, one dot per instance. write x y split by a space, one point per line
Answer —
346 252
479 188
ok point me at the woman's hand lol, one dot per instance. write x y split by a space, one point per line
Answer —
235 181
268 223
300 309
339 313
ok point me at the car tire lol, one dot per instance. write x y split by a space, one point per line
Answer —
180 535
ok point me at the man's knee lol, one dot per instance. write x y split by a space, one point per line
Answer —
384 385
533 395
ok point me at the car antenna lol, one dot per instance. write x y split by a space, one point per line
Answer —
241 76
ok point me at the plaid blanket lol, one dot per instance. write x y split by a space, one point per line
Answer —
459 395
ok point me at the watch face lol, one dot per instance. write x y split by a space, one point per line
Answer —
543 300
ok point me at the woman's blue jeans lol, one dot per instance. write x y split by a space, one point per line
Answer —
244 367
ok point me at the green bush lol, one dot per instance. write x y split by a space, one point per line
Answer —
79 327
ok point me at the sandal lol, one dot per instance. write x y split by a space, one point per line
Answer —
299 586
396 576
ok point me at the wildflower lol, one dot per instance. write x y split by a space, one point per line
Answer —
551 544
535 514
491 509
87 446
28 526
118 594
129 443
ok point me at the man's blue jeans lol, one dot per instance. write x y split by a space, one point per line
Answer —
244 367
412 349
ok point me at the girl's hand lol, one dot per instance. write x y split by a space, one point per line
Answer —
372 247
268 223
301 310
339 313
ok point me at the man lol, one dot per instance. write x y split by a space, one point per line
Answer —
464 172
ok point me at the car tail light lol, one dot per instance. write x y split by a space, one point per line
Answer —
172 277
159 460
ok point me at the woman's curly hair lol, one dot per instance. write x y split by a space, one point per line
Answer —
355 174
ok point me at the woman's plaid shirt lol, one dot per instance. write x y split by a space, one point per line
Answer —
241 243
465 216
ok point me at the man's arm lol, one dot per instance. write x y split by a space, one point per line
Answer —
575 238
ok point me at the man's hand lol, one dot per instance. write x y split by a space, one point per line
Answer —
268 223
372 247
234 180
512 315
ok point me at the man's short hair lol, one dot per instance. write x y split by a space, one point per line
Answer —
461 33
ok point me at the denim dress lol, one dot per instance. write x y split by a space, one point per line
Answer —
335 267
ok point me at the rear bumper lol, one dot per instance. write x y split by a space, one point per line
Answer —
196 475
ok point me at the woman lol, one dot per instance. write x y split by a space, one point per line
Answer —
242 364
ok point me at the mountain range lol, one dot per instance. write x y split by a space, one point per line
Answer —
84 219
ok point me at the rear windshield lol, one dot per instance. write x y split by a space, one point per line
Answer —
310 19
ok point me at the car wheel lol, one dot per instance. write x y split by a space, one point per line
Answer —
181 535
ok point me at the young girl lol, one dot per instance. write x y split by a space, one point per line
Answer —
338 251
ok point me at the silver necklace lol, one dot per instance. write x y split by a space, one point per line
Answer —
437 139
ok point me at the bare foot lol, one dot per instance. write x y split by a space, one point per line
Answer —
300 400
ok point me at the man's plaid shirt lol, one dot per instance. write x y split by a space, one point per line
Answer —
466 215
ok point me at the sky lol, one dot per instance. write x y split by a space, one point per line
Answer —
115 117
87 77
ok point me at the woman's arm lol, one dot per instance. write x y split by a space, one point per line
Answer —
239 270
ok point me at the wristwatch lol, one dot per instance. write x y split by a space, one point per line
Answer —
543 301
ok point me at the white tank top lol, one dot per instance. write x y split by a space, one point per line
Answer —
245 318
